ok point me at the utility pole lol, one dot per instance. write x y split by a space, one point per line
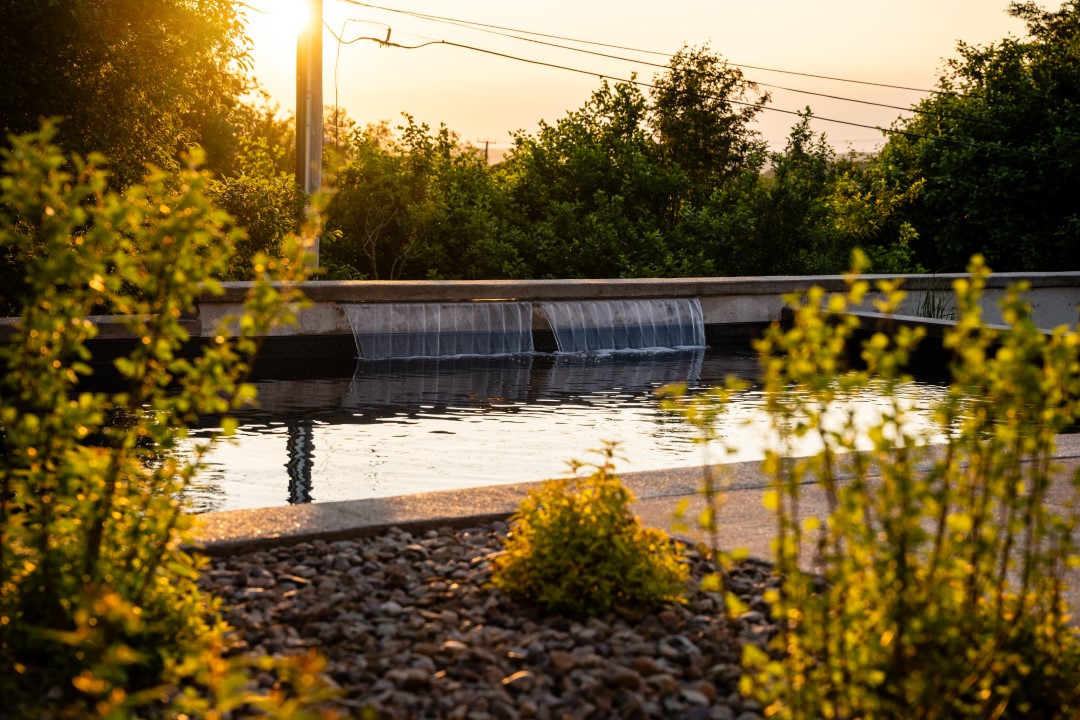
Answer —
486 143
309 105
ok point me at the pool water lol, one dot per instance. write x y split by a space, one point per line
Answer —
398 427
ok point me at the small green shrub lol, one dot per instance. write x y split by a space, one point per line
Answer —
940 582
576 547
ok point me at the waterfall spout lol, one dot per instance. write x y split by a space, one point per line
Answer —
400 330
582 326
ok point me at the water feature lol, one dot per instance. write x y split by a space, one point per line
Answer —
404 330
583 326
397 427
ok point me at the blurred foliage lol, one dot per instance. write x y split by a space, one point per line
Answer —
100 613
933 585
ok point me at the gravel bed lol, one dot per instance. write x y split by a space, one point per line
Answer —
411 628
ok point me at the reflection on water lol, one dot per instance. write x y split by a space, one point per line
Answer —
405 426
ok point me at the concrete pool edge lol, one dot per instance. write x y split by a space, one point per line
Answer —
233 531
744 521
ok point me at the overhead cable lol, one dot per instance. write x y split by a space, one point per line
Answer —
640 83
486 27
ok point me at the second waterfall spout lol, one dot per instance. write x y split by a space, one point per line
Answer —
585 326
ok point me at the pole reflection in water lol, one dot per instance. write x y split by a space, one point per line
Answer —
300 448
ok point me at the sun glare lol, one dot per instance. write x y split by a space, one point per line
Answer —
281 20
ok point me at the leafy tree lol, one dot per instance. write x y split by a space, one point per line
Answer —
993 152
338 130
130 78
592 193
701 112
795 233
369 236
718 233
867 206
416 206
227 134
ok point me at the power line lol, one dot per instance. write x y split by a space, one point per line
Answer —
663 66
499 30
495 30
633 81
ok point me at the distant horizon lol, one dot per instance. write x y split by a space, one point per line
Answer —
483 97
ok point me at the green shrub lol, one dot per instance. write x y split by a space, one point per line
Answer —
100 614
941 572
266 204
576 547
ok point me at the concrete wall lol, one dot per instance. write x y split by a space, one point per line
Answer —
734 308
756 300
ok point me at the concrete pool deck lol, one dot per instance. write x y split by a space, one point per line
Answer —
744 522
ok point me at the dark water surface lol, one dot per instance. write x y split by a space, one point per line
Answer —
397 427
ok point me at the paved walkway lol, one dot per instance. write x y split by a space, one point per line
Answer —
744 522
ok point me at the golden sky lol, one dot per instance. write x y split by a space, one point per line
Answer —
485 97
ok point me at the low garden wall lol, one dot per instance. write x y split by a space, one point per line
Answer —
734 309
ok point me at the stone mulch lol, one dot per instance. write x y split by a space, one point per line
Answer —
411 628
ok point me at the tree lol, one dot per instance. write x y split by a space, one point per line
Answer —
227 134
795 233
592 193
129 78
994 151
417 206
701 113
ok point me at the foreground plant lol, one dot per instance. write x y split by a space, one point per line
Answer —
939 581
100 614
576 547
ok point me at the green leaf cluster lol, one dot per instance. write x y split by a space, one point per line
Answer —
576 547
100 613
136 81
265 203
933 586
988 162
418 206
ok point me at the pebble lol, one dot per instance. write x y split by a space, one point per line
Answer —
410 626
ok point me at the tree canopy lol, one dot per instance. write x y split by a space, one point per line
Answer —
993 151
135 80
671 181
628 185
701 112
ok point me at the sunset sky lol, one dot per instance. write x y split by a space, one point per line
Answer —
485 97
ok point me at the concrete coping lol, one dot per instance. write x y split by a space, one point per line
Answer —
587 289
744 521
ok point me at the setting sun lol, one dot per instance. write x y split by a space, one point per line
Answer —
279 21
